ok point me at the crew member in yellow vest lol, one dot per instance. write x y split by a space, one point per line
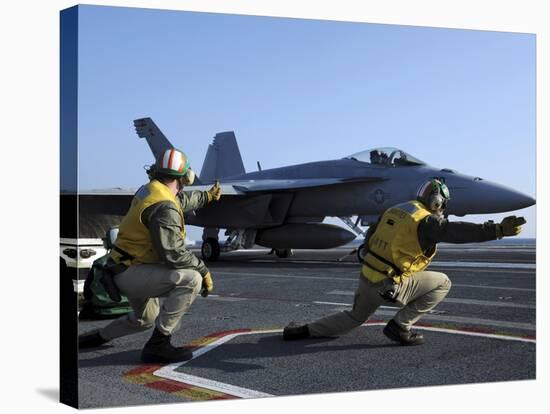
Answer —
399 248
150 260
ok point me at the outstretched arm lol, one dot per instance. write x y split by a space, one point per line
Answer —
435 229
192 200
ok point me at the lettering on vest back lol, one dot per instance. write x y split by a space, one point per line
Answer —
377 242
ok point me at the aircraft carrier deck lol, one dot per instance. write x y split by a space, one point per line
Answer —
484 331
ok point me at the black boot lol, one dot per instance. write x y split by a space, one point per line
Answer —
159 350
294 331
91 340
393 331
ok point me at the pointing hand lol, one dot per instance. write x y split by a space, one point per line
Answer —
215 192
510 226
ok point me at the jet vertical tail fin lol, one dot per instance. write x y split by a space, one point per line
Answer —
146 128
223 158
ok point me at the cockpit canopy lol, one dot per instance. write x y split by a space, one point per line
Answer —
387 156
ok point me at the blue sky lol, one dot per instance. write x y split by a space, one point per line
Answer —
302 90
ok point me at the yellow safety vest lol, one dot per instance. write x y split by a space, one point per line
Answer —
393 249
134 237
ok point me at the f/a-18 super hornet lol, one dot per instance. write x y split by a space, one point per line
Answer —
284 208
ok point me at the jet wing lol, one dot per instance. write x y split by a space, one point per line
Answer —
251 186
227 189
98 210
109 191
267 185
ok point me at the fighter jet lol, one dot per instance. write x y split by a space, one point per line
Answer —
284 208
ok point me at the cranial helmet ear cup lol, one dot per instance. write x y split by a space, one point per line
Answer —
434 194
188 178
436 202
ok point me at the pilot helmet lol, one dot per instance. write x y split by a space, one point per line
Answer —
174 163
434 194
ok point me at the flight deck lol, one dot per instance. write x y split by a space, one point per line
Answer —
484 331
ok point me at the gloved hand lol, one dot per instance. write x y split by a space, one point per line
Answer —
215 192
207 285
389 290
509 226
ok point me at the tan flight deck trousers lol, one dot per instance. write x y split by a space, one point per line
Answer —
417 295
144 284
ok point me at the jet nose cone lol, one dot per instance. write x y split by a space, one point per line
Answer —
527 201
506 199
485 197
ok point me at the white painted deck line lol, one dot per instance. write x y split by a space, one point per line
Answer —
338 278
460 332
210 384
285 276
435 315
489 303
458 300
494 287
482 265
492 265
169 371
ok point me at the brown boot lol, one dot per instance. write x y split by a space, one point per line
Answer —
294 331
91 340
393 331
159 350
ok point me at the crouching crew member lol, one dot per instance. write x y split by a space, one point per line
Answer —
150 261
399 248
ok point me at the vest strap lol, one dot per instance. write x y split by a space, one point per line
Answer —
397 271
375 269
124 255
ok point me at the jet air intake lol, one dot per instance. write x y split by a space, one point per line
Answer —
304 236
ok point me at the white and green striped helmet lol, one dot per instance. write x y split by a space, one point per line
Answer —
173 163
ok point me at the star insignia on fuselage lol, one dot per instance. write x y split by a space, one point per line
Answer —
379 196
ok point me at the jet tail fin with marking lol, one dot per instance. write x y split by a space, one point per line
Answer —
146 128
223 158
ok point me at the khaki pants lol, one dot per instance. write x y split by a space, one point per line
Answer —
417 295
144 284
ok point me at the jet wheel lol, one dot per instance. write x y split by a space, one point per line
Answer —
361 252
210 249
283 253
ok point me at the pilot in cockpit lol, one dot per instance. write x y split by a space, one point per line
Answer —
374 157
401 160
384 159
